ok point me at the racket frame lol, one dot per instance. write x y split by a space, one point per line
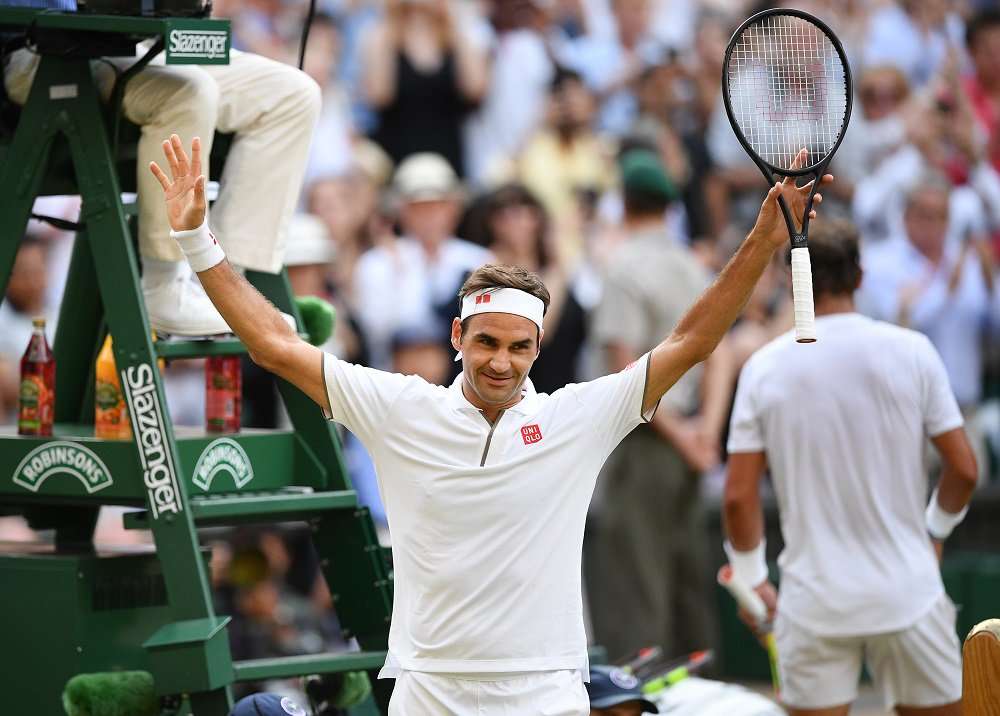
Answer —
799 238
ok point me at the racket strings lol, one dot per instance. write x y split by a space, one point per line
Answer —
788 89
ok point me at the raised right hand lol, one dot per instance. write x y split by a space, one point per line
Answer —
769 594
185 193
770 221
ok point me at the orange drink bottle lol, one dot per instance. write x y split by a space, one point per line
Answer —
110 412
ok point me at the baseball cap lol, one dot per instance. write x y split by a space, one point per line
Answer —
610 686
267 705
642 171
308 242
426 177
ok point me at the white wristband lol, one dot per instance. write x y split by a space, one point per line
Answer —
750 567
200 247
941 523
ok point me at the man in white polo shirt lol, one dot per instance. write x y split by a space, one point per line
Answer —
842 426
486 483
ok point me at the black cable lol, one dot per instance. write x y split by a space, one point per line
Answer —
62 224
305 32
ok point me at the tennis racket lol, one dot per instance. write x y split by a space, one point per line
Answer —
750 601
786 86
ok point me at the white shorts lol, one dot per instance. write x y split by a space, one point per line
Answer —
919 666
544 693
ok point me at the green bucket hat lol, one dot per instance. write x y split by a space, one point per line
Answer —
642 171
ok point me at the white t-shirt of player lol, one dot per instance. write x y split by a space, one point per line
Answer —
843 422
487 520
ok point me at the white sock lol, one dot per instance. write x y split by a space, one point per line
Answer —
156 272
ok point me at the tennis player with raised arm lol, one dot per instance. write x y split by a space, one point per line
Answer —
486 483
843 433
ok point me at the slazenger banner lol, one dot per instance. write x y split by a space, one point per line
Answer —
158 472
197 46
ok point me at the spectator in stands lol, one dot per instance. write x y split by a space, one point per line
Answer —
646 571
24 301
940 136
917 36
878 124
331 152
566 157
517 232
308 256
982 87
667 120
420 350
413 281
937 281
423 73
983 84
514 104
611 63
257 27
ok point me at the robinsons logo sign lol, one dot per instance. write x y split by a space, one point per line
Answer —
223 454
158 472
66 457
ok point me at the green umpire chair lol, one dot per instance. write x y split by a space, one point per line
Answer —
72 607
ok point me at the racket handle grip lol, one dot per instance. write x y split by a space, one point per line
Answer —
746 597
802 296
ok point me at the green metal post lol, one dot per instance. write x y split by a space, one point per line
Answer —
79 118
316 432
80 323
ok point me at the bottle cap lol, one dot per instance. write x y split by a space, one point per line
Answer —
38 322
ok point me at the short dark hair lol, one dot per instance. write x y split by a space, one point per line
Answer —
517 194
835 257
501 276
639 202
563 76
980 22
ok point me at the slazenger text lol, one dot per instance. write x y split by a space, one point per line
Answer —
147 423
195 43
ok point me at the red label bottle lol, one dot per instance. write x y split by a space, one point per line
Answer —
223 394
37 399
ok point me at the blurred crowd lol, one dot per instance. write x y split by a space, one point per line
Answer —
586 140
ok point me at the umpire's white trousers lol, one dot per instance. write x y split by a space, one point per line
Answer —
272 108
544 693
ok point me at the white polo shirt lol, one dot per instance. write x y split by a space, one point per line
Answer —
487 520
843 423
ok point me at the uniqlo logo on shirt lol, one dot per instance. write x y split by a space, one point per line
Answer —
531 434
484 298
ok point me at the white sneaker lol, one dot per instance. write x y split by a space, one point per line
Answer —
180 307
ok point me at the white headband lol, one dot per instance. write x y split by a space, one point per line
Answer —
504 300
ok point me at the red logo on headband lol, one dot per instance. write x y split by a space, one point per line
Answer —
531 434
482 298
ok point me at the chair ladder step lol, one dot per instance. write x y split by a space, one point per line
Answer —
181 348
289 666
237 508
